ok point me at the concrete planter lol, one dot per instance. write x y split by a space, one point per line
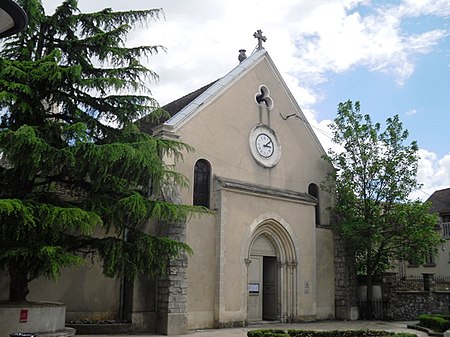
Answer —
44 318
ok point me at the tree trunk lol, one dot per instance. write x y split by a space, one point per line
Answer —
18 284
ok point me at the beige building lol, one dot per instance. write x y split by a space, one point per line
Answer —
436 263
267 251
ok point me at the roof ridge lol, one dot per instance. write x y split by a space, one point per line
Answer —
186 99
183 107
173 108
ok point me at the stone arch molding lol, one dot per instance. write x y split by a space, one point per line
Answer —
279 233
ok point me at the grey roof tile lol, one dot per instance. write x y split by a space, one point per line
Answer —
440 201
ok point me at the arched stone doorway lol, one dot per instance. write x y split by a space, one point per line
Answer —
271 274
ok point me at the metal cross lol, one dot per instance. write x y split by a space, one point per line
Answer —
258 35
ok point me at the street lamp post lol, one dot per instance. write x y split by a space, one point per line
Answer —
12 18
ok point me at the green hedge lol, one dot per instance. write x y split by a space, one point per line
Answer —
438 323
267 333
309 333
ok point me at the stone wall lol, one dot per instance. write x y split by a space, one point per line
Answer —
346 285
408 305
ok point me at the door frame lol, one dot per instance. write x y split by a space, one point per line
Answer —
287 266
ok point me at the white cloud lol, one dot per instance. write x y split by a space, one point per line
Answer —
443 172
336 38
324 133
411 112
433 174
307 40
415 8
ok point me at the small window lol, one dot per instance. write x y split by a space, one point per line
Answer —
313 190
262 97
202 176
446 230
430 260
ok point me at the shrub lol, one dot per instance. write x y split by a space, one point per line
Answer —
439 323
345 333
267 333
337 333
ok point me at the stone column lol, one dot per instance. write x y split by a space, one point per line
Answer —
388 285
172 300
171 314
282 298
172 291
346 286
388 291
428 281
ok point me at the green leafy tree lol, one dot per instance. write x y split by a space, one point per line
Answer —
71 160
374 175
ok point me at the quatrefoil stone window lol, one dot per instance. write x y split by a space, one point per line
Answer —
262 97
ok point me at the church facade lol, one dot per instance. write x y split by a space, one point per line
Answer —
266 250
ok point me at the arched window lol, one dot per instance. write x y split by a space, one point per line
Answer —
313 190
202 177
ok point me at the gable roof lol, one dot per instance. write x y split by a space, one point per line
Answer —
440 201
173 108
213 90
183 109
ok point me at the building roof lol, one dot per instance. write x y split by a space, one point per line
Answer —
184 107
440 201
172 109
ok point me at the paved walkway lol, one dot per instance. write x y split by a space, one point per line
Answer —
321 325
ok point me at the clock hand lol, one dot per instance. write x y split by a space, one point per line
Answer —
268 144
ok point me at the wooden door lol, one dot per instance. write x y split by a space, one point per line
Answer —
255 277
270 277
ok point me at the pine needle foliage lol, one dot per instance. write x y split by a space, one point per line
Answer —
72 161
376 171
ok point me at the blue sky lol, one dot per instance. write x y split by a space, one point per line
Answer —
391 55
422 101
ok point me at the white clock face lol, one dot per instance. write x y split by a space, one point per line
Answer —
264 145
